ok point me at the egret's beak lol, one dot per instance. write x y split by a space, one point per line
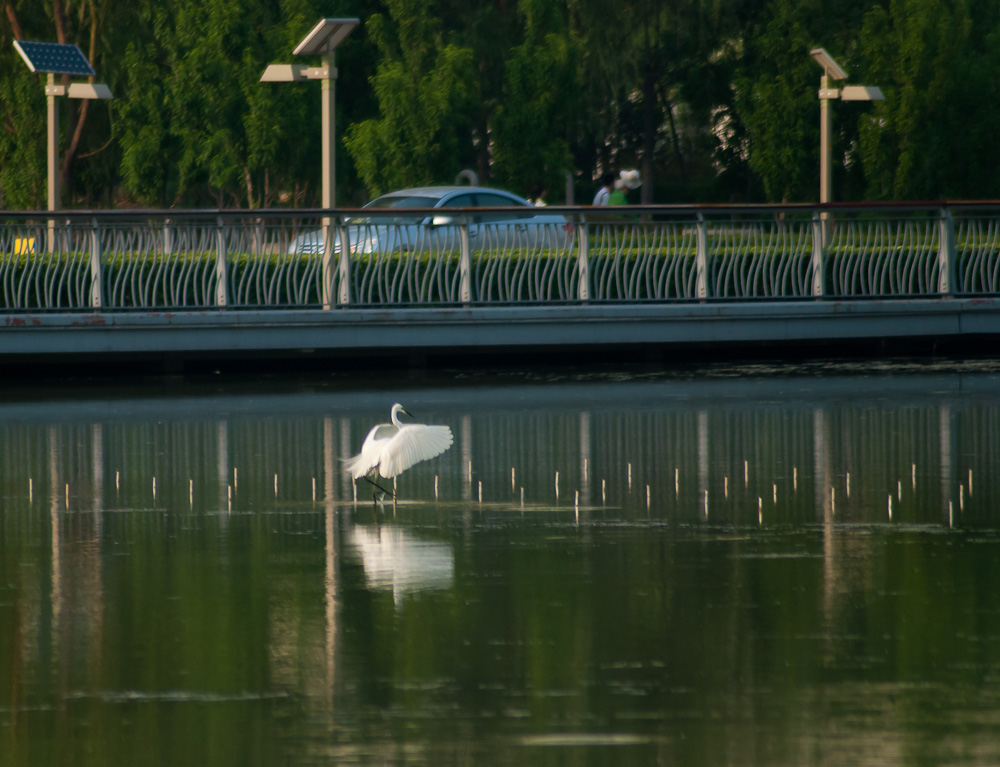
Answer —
404 410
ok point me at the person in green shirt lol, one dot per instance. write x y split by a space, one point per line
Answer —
628 180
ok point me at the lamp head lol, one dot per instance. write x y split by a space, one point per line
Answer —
832 69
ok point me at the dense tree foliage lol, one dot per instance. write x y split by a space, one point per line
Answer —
710 99
423 83
935 136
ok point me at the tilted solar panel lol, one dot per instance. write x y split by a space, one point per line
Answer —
325 36
58 58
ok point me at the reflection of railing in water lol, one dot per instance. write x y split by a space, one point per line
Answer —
795 464
189 260
789 466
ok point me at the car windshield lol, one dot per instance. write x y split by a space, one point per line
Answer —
402 201
395 201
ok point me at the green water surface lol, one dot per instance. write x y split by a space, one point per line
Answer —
742 568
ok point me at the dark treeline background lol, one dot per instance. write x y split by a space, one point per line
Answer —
712 100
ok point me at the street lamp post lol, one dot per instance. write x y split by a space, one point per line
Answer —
323 41
54 59
833 73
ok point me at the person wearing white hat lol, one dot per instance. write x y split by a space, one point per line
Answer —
628 179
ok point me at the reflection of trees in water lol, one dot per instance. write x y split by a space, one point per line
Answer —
727 457
449 609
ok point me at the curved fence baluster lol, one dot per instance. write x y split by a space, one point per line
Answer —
150 260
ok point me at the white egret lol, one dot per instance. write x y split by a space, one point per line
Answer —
392 448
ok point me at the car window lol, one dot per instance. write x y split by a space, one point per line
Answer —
401 201
487 200
394 202
459 201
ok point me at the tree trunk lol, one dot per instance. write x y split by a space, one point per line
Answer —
249 182
648 131
675 139
15 25
483 153
79 108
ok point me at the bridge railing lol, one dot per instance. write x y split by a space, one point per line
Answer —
194 260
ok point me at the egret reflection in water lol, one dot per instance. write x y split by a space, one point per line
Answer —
739 595
398 560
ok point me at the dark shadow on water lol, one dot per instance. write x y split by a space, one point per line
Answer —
274 378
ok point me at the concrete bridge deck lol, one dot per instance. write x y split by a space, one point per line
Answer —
169 288
418 335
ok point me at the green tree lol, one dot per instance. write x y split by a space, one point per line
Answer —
423 85
193 126
149 154
638 57
935 135
776 101
534 120
22 139
775 94
87 156
197 124
490 29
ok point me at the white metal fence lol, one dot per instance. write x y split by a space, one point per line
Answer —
184 260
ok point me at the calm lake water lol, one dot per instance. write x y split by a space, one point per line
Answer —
717 566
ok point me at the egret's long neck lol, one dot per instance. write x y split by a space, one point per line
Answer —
394 416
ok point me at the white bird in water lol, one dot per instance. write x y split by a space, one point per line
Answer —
392 448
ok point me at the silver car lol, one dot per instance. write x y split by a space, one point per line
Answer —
531 228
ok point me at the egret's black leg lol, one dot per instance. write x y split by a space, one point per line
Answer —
378 486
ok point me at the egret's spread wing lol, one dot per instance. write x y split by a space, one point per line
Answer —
413 443
371 450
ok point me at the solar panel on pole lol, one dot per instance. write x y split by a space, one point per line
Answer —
55 58
325 36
